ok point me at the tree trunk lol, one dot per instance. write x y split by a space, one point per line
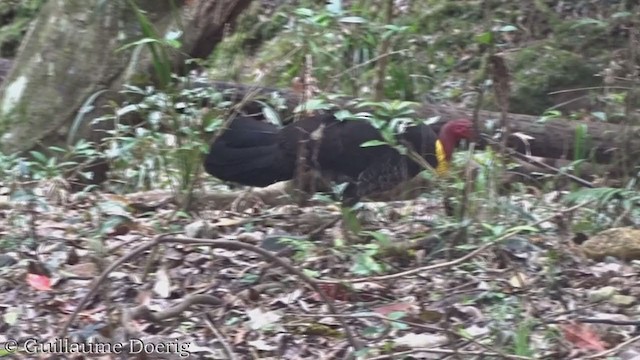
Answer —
550 139
69 67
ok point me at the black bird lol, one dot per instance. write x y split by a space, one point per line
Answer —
256 153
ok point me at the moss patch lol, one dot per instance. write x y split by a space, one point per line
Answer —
539 70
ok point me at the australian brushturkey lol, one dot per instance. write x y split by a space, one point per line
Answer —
256 153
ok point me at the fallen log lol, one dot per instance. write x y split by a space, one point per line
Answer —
552 138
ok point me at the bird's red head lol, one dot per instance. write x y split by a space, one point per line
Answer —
457 130
454 131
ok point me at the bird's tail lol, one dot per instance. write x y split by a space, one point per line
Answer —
248 152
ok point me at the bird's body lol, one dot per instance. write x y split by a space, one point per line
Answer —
255 153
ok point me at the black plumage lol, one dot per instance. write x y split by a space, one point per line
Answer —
250 152
256 153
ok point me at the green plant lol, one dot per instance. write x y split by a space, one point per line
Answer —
364 260
303 248
521 338
612 205
50 163
156 44
166 148
341 47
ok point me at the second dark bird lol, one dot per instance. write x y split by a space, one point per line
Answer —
256 153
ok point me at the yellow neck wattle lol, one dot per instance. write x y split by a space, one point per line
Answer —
441 156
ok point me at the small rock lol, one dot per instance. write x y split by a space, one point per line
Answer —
622 243
199 229
604 293
622 300
6 260
250 237
274 243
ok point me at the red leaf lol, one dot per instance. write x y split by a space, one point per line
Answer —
385 310
39 282
582 336
333 291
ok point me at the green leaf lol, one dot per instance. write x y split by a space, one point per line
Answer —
380 237
589 22
351 220
39 156
365 265
523 228
580 142
173 35
353 20
343 114
622 14
57 149
304 12
508 28
550 114
311 273
373 143
396 315
160 59
214 125
485 38
312 105
602 195
143 41
271 115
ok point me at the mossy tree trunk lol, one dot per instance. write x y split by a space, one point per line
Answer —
69 57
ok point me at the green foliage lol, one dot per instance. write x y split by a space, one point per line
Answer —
15 17
350 219
168 150
538 70
602 196
580 146
157 45
365 262
303 248
610 205
46 169
521 339
44 165
341 44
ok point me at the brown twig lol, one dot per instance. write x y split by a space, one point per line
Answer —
402 354
143 312
225 344
613 350
535 162
461 235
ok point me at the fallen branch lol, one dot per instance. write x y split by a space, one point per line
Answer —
553 138
535 162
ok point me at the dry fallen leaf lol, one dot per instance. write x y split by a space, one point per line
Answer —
385 310
414 341
162 287
518 281
39 282
582 336
259 318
